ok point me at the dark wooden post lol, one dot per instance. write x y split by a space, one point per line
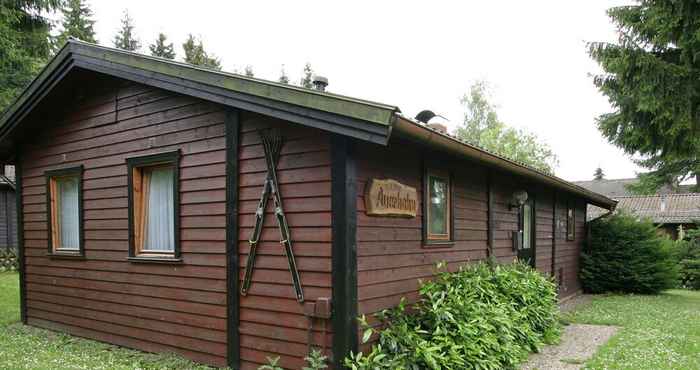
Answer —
344 222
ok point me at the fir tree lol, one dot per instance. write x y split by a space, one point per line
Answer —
248 71
25 44
598 174
283 76
195 54
125 38
652 79
161 48
307 79
76 23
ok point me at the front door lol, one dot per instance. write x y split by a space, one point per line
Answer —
526 252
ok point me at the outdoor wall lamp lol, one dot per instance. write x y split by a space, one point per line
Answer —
518 199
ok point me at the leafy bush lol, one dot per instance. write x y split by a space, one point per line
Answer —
477 318
688 257
627 255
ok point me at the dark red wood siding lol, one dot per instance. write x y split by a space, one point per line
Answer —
391 254
272 322
152 307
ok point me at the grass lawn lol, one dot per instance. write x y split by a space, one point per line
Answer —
23 347
657 332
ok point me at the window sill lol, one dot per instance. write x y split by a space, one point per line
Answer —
66 255
164 260
438 244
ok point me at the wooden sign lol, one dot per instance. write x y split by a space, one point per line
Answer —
390 198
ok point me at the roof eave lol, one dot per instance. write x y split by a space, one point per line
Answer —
435 138
362 120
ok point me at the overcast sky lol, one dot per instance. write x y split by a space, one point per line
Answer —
416 55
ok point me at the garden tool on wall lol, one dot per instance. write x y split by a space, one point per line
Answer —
272 145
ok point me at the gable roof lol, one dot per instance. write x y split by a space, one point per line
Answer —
661 209
356 118
352 117
615 188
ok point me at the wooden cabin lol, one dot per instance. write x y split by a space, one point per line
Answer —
139 181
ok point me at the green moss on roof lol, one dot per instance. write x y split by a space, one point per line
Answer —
332 103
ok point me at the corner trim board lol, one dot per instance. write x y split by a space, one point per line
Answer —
232 128
20 242
344 250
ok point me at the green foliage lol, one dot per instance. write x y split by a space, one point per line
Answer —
483 128
271 364
25 44
125 38
651 80
161 48
308 76
688 258
76 23
627 255
316 360
479 317
195 54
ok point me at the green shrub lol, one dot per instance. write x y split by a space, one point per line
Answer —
688 258
477 318
627 255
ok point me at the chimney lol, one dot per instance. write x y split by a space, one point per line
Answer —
438 127
320 83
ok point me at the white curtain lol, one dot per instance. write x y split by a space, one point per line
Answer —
160 216
67 190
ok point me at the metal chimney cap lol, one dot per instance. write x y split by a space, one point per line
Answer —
320 82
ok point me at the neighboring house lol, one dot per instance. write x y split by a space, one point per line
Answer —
615 188
140 180
8 207
672 209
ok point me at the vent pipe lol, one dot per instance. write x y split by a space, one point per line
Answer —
320 83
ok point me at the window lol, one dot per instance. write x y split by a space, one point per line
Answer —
153 206
64 197
437 207
570 222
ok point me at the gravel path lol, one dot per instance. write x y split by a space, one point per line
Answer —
578 343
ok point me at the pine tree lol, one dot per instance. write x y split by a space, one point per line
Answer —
652 79
125 38
248 71
195 54
598 174
76 23
25 44
283 76
162 49
307 79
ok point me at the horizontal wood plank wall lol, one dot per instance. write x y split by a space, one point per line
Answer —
151 307
272 322
391 255
568 251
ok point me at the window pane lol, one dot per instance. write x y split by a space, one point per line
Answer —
67 211
527 225
160 212
438 206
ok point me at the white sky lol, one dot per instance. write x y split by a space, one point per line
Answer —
416 55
